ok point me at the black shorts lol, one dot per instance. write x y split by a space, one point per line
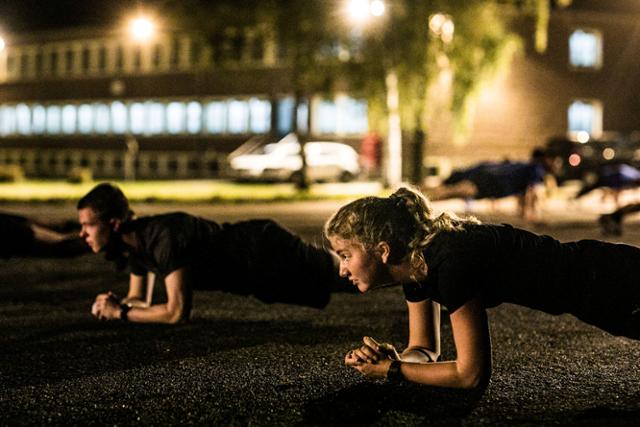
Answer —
262 258
608 292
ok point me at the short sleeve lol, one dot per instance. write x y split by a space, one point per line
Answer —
169 250
136 267
456 283
460 278
413 292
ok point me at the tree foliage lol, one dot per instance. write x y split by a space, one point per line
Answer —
324 50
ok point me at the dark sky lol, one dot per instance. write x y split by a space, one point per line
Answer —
24 15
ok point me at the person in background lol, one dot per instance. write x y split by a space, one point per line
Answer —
613 180
495 180
23 237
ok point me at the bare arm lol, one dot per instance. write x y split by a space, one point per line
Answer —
424 328
176 309
531 202
136 297
472 367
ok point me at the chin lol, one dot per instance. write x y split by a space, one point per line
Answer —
362 288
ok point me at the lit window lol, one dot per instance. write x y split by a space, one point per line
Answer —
176 112
238 116
156 117
326 114
260 112
85 119
8 121
344 116
285 115
118 117
38 119
585 49
355 111
101 118
216 117
137 118
23 119
69 117
585 116
53 119
194 117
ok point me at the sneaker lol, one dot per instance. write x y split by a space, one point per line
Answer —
610 224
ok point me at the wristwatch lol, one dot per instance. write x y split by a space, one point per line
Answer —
394 374
124 312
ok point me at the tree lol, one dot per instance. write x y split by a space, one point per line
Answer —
393 59
303 32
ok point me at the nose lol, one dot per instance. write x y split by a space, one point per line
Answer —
343 271
82 233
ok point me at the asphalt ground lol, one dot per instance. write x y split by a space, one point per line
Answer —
242 362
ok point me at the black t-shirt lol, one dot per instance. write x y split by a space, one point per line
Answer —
256 257
171 241
500 263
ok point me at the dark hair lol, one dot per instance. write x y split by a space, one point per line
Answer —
108 202
404 220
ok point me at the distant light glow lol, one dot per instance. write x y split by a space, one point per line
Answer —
574 159
377 8
358 10
442 26
582 137
142 28
608 153
2 44
435 22
447 31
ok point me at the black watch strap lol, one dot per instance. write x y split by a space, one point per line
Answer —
124 312
394 374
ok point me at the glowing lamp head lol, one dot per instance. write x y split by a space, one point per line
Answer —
142 29
377 8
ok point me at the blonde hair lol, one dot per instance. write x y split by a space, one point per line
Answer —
405 220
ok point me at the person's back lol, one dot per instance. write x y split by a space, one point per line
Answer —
501 264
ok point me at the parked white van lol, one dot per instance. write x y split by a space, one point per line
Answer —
281 161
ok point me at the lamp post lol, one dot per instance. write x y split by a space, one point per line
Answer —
360 12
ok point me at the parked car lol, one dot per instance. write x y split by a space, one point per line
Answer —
281 161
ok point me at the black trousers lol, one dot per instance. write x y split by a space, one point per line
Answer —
262 258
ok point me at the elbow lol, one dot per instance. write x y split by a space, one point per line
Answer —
176 316
474 379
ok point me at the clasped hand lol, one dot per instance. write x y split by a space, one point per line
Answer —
372 359
106 306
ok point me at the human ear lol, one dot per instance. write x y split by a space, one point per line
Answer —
384 250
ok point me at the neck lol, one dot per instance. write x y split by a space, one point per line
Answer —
405 273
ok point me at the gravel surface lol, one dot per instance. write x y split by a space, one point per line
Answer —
242 362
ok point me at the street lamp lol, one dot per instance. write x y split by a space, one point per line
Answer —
360 11
141 28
